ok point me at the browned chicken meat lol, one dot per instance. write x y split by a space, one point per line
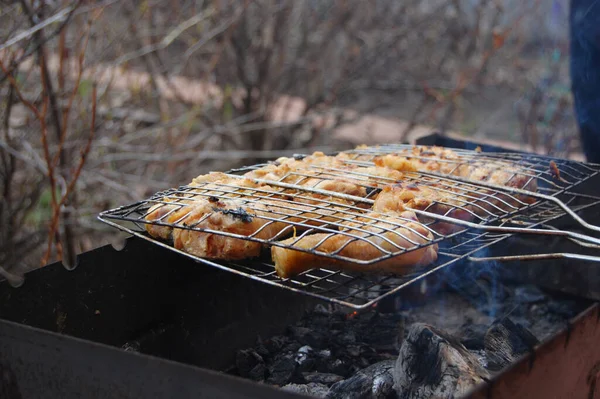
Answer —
374 236
448 162
284 170
260 220
212 186
399 197
290 196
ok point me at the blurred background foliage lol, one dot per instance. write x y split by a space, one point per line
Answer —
106 102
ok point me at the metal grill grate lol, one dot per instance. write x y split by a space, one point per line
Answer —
297 204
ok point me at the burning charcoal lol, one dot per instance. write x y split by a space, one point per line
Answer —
375 381
307 336
275 344
339 366
305 358
324 354
346 338
291 347
246 361
261 349
472 335
282 370
382 333
362 363
353 350
310 389
505 341
432 364
529 294
481 357
322 310
298 332
367 351
258 372
322 378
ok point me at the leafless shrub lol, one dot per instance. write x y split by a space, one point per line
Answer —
104 103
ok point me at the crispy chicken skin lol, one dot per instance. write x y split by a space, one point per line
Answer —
448 162
396 198
160 212
224 186
231 216
403 233
224 215
224 206
170 213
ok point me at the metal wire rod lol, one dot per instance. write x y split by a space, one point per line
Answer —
550 198
555 255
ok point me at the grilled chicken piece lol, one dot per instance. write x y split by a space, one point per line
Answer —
266 219
467 206
399 197
358 241
160 213
213 185
261 220
447 162
308 209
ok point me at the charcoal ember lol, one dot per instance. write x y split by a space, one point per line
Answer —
353 350
323 354
249 364
472 335
377 332
322 378
346 338
308 336
261 349
258 372
291 347
276 343
529 294
303 353
311 389
362 363
321 309
481 357
367 352
373 382
306 359
298 332
433 364
505 341
321 361
282 370
340 366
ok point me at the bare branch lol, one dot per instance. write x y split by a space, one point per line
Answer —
167 40
62 15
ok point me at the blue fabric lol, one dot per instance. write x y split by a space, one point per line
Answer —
585 73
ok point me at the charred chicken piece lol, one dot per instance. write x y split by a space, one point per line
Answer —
368 238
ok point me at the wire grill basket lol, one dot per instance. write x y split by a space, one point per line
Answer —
465 216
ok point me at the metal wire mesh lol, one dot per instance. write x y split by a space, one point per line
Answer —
298 205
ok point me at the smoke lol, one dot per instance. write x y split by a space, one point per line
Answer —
478 283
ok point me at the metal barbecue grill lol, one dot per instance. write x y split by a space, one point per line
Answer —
301 209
